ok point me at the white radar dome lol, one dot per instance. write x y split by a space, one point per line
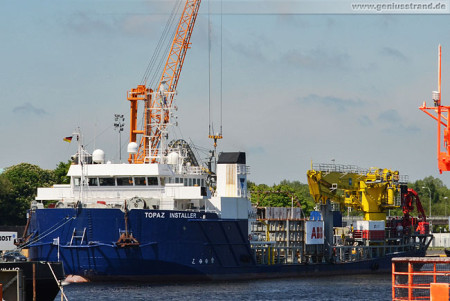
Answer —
132 148
98 156
172 158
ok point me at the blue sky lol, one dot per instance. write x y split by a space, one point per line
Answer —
295 87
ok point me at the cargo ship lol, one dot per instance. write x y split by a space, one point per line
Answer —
163 220
164 215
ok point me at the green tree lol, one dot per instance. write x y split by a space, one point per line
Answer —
6 200
282 195
434 188
22 181
302 192
258 193
60 173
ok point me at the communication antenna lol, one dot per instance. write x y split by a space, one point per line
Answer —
118 126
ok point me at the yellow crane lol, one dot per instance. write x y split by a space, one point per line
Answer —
372 191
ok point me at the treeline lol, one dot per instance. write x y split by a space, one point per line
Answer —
18 188
285 194
19 183
281 195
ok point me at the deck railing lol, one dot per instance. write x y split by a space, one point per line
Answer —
267 253
420 278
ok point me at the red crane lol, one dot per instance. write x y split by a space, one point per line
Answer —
157 106
408 206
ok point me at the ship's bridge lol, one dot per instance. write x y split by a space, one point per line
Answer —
110 170
114 183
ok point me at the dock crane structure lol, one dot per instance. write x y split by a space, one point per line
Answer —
372 191
158 103
440 113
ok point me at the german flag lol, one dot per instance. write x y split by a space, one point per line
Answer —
68 139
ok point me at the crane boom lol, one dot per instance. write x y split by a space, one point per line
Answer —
372 191
157 106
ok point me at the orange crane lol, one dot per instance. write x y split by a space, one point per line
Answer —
440 113
157 106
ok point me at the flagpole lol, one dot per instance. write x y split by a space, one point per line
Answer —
81 162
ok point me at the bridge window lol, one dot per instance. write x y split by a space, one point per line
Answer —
140 181
125 181
106 182
93 182
153 181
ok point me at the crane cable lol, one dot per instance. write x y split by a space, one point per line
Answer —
158 55
159 69
162 41
221 60
211 127
209 67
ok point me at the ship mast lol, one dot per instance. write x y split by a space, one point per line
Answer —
440 113
81 162
157 106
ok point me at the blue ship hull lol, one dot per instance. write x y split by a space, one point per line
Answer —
172 245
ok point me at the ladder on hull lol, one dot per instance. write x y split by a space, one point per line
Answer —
75 236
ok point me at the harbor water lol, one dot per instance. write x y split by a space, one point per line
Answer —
345 287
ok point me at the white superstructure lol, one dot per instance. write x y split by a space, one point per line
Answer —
231 198
174 185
